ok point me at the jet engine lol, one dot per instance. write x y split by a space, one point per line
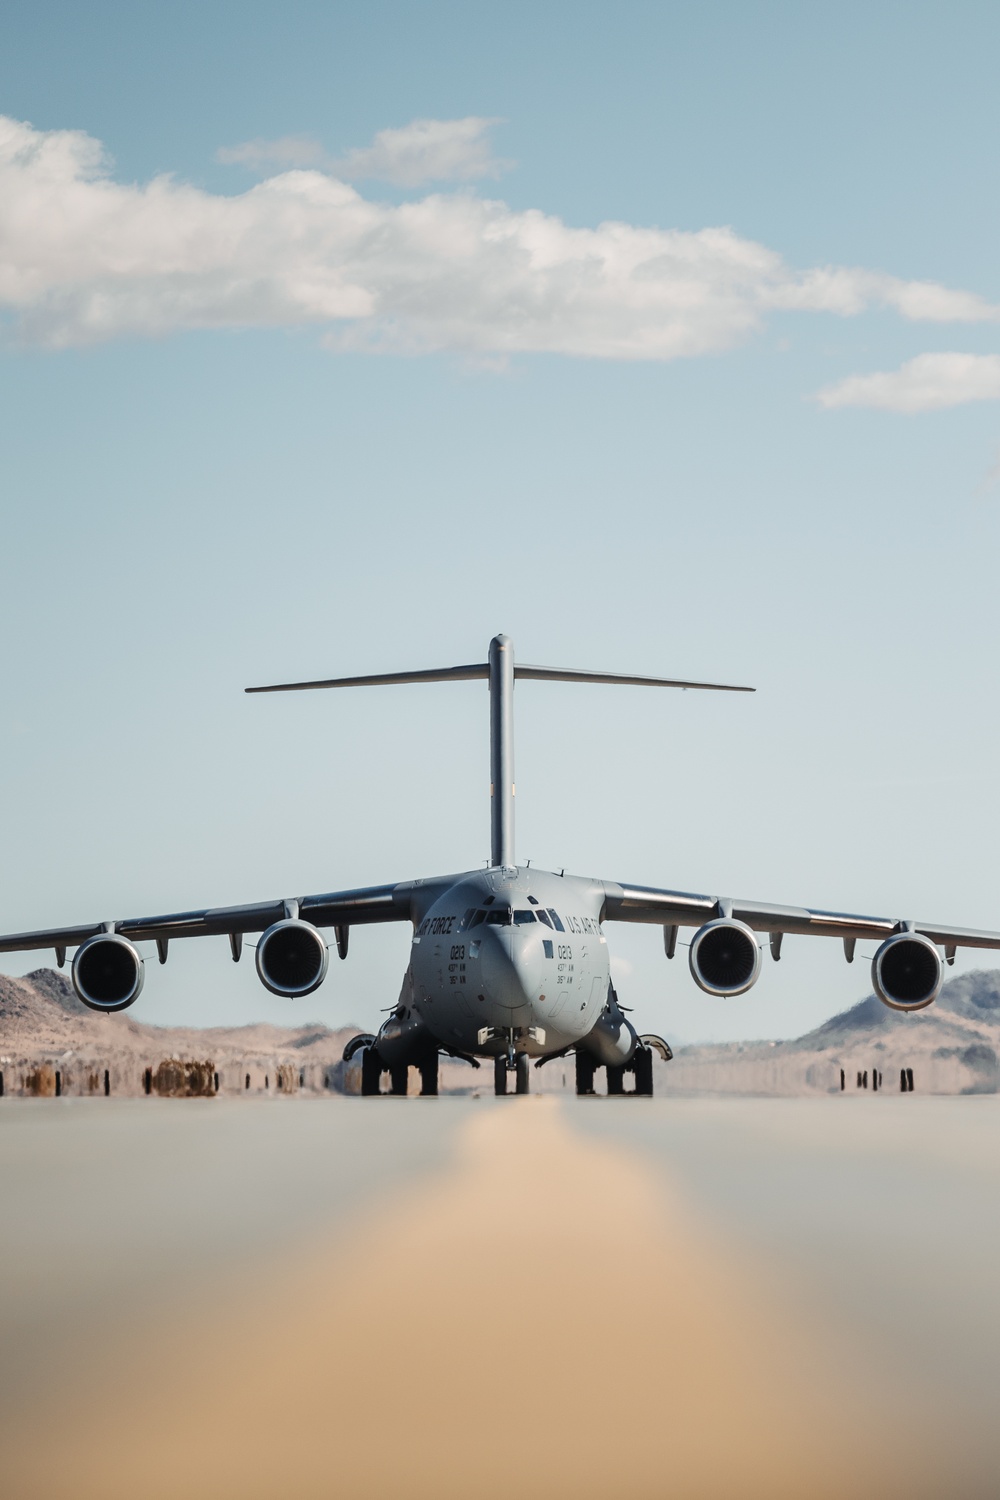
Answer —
724 957
292 958
907 971
108 972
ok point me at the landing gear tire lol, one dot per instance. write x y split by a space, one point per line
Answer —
616 1080
371 1072
522 1074
585 1066
399 1079
429 1077
500 1075
642 1067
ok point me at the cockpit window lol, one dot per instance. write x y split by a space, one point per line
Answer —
500 916
520 917
557 924
543 916
533 900
477 918
488 900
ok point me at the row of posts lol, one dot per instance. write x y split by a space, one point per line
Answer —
147 1082
905 1080
58 1084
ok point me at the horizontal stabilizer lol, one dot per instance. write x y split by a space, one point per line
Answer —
434 674
482 670
575 674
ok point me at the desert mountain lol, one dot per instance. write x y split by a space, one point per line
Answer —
50 1042
950 1048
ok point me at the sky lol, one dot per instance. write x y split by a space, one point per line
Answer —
335 339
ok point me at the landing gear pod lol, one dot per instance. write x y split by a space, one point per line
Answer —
292 958
108 972
907 972
724 957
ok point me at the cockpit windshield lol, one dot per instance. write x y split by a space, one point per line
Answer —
500 916
520 917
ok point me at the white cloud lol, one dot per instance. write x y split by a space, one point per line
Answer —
423 151
83 257
850 290
930 382
286 151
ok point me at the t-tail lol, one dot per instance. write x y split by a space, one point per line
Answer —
501 671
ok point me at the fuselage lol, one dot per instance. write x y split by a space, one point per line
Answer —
509 956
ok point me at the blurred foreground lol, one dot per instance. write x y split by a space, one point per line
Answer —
478 1297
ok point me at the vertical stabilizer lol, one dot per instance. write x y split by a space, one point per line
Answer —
501 750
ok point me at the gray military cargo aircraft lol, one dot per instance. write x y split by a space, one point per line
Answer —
507 963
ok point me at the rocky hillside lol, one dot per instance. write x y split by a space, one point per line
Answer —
950 1048
51 1043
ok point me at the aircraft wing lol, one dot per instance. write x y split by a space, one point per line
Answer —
381 903
637 903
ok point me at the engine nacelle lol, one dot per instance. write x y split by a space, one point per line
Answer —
907 971
292 958
724 957
108 972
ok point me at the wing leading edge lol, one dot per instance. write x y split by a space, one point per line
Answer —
380 903
637 903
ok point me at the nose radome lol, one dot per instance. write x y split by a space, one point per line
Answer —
509 967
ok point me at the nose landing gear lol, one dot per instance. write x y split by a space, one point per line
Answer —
517 1063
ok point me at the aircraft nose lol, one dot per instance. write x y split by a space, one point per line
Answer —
508 969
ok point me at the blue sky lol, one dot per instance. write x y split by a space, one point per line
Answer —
672 346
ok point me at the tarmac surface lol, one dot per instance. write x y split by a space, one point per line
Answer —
465 1297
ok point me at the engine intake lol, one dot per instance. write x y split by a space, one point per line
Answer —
724 957
907 971
108 972
292 958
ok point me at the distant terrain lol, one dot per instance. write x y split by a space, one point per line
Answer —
51 1044
950 1048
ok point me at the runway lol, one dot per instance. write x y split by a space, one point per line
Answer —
477 1297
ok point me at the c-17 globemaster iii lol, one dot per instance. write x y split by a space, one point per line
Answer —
507 963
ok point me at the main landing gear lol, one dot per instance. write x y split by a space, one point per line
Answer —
372 1068
371 1072
641 1068
519 1067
